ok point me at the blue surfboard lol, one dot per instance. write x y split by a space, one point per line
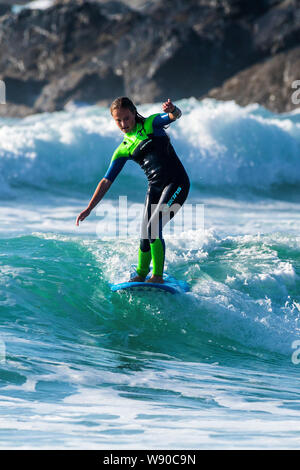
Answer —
170 285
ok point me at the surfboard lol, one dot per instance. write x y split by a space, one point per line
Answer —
171 285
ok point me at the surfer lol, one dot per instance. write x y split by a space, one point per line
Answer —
146 142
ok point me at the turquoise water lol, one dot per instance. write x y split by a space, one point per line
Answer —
82 367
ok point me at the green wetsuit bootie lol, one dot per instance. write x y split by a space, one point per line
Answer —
158 256
144 261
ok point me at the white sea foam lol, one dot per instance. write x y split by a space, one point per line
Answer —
202 418
219 144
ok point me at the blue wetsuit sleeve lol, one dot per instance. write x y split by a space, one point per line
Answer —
161 120
115 167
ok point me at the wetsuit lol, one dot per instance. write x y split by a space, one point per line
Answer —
168 184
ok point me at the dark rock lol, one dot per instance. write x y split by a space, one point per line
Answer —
25 92
62 55
93 51
271 83
15 2
4 8
278 29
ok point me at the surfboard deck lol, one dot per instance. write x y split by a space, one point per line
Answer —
171 285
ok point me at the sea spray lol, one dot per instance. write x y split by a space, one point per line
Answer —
219 144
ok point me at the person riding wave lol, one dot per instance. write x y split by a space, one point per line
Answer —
146 142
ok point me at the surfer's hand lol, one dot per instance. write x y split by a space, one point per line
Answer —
168 106
83 215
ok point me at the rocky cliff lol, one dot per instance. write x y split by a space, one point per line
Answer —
93 51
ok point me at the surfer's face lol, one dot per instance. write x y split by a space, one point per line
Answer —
124 118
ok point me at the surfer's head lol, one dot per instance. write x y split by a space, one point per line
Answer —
125 114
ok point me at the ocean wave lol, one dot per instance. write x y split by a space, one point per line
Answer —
220 144
244 293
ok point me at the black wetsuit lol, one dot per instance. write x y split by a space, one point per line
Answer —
168 185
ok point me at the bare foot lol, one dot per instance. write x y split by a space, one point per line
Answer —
157 279
137 279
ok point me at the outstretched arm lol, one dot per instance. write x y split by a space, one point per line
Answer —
171 109
101 190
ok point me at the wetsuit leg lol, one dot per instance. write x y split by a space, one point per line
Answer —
161 212
144 256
